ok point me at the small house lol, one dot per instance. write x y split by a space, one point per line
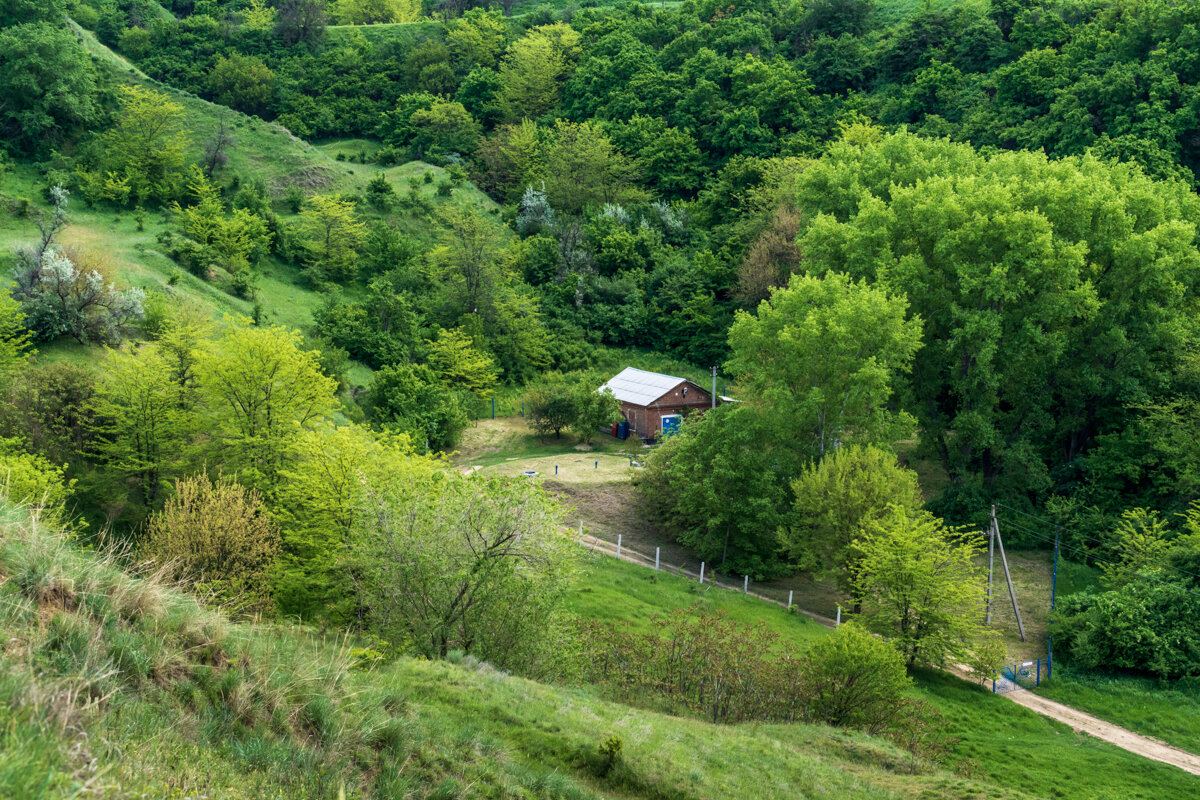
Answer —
654 403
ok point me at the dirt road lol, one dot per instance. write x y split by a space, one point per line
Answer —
1076 720
1113 734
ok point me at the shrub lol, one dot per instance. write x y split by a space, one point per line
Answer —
217 535
853 680
293 198
26 478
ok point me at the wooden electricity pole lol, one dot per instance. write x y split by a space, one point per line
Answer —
1007 575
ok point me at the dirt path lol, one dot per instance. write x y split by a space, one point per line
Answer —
1113 734
1074 719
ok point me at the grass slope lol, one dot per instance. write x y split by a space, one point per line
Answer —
1000 742
119 686
1166 710
617 591
260 150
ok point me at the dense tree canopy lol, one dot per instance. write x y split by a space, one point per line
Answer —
1051 293
47 84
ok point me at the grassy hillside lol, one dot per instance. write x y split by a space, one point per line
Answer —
260 150
999 741
1166 710
115 685
616 591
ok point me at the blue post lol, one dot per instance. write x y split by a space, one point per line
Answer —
493 408
597 465
556 469
522 409
993 683
1039 673
1053 587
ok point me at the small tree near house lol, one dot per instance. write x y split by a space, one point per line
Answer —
550 406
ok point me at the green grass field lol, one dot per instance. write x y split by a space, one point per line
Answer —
1166 710
113 685
620 592
999 741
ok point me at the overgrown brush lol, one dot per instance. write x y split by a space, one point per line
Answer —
91 647
729 673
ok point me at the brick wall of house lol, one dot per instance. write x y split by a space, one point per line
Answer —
646 421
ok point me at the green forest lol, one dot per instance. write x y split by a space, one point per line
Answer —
270 266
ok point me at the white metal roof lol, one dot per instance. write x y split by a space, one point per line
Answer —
640 387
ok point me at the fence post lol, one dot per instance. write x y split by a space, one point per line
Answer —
746 584
993 683
656 558
1039 673
702 572
493 408
790 599
581 530
556 469
618 545
522 409
838 624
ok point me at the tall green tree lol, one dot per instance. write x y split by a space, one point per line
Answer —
835 498
1039 328
16 346
715 486
147 145
243 82
595 408
550 406
921 587
583 168
141 425
469 563
262 391
460 363
47 82
331 233
533 70
319 501
826 355
409 398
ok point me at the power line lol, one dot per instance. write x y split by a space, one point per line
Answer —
1050 540
1046 538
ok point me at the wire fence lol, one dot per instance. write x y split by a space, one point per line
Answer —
1022 675
698 571
501 405
1008 678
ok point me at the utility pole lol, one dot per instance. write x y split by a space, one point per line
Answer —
1053 586
714 391
987 620
1007 575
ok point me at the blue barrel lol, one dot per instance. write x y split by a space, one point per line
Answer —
623 429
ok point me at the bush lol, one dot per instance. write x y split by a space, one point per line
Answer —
217 536
853 680
380 193
850 679
30 479
293 198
